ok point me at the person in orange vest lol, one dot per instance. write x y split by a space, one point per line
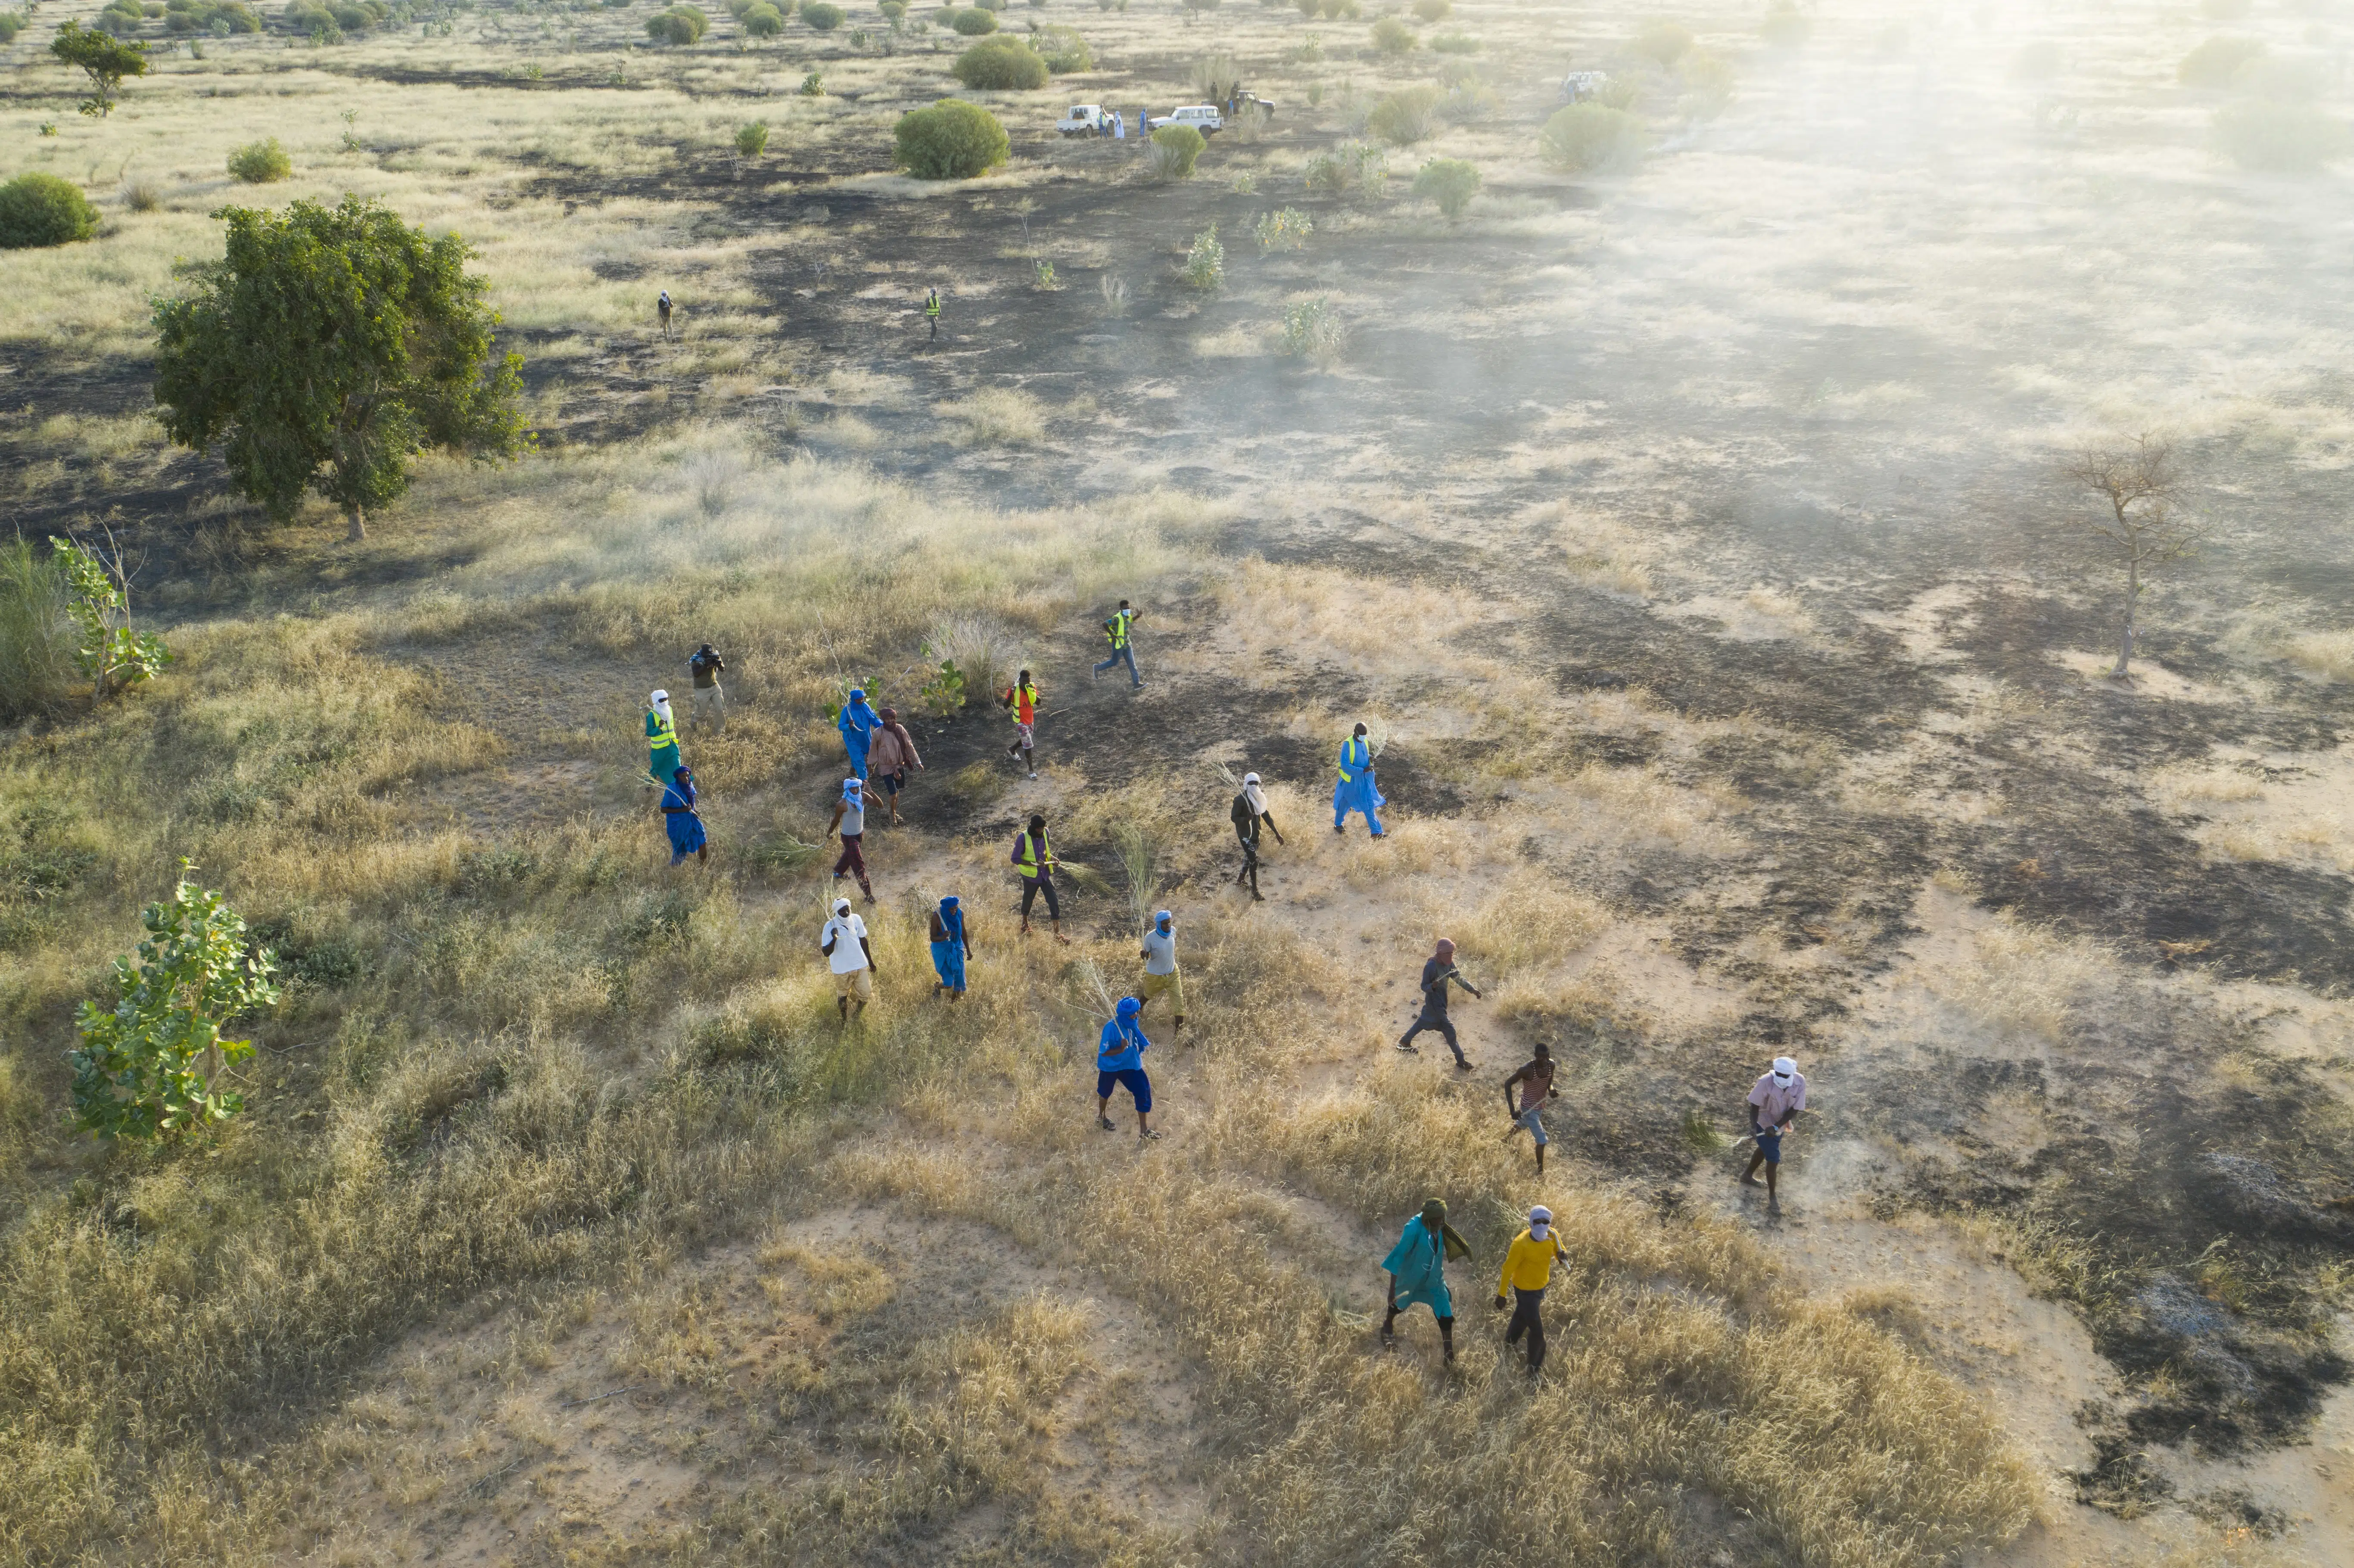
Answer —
1021 697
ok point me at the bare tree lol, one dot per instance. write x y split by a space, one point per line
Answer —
2146 526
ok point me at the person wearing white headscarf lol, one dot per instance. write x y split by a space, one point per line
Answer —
850 817
1775 1102
662 737
1528 1269
1249 812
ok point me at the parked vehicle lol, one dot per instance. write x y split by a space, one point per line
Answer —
1584 86
1085 119
1201 117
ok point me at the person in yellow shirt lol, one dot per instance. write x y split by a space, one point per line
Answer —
1528 1269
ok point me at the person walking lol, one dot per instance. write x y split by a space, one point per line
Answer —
1775 1102
1249 813
932 310
1437 974
856 722
1119 628
710 701
661 739
680 820
843 942
1022 699
1356 791
893 753
1528 1269
850 820
1119 1060
661 311
1536 1089
951 945
1160 972
1034 856
1417 1271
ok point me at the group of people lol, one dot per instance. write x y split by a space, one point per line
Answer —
880 748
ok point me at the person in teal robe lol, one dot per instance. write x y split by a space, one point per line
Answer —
1417 1271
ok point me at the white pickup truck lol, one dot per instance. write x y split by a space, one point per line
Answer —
1085 119
1201 117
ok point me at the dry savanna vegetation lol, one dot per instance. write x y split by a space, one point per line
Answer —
1688 472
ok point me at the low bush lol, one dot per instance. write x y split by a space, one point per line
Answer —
1350 168
894 11
680 24
1456 44
1405 117
1205 260
1586 138
1451 183
261 162
1001 64
1784 26
952 140
1313 330
1434 10
1286 230
1175 149
1707 82
11 24
1662 43
1214 77
752 140
141 196
1062 50
2215 62
38 210
973 22
1393 37
822 16
761 21
2278 138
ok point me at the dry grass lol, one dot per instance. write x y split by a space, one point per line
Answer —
997 416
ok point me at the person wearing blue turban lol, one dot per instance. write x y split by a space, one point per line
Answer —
857 724
1355 790
1119 1059
685 827
951 945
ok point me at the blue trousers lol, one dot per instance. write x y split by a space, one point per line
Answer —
1120 655
856 743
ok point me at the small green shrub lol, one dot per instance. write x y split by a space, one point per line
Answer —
813 85
1662 43
1405 117
894 11
822 16
1393 37
38 210
1205 260
1286 230
973 22
261 162
761 21
1586 138
952 140
681 25
1001 64
1434 10
1456 44
11 24
1707 81
1783 27
1175 149
2215 62
1350 168
1313 330
752 140
1062 50
2278 138
1451 183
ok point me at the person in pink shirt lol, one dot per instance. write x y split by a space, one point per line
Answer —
1774 1105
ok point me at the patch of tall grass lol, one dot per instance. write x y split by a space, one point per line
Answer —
37 640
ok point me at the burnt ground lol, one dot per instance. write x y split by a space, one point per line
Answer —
2250 1169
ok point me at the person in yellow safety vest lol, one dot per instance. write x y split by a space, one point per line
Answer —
1528 1269
1022 696
1119 629
661 739
932 309
1355 790
1034 856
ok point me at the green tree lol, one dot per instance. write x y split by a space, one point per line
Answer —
98 601
952 140
326 349
150 1066
106 61
1449 182
1174 148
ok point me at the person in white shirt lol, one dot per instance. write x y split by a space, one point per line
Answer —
1774 1104
1161 968
843 942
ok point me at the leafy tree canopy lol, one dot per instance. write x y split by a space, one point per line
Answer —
326 349
105 61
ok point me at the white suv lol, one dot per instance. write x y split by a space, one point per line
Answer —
1083 120
1201 117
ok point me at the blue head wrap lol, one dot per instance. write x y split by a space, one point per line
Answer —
1129 1008
857 694
850 792
1161 919
952 918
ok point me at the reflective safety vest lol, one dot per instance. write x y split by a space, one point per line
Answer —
1025 854
932 306
1025 704
1354 753
663 733
1117 629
